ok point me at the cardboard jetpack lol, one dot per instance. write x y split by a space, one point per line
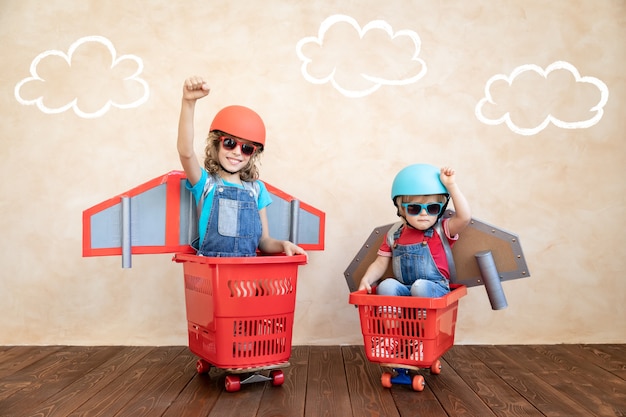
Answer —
483 255
160 216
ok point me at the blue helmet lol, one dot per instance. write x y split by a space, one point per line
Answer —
418 179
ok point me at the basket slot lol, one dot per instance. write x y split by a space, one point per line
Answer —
259 348
259 327
253 338
392 348
200 340
198 284
397 321
261 287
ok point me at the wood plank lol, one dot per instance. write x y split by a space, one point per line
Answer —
408 401
245 402
288 400
17 358
601 391
529 380
539 393
110 399
531 377
74 395
617 351
4 349
609 357
455 396
158 394
46 377
198 397
327 389
503 400
14 372
368 398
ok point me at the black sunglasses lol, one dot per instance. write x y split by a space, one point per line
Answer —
229 144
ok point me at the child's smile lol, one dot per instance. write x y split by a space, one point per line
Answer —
232 160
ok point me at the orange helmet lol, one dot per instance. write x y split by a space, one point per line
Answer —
241 122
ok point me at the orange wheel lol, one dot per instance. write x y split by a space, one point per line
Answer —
232 383
385 379
435 368
278 378
203 366
417 383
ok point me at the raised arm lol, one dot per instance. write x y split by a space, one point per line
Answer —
462 211
193 89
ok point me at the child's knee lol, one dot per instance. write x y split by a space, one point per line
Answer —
387 287
421 288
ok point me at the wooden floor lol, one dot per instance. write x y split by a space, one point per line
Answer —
334 381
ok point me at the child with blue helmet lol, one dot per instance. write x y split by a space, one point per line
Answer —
415 248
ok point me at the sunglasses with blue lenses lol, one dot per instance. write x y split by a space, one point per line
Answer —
229 144
414 209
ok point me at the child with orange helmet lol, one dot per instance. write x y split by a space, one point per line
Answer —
415 247
231 200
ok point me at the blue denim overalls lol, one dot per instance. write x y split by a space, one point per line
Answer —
411 263
234 227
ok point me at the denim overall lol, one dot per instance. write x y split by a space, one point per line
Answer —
234 227
412 263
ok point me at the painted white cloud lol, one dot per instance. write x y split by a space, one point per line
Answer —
64 84
545 86
359 65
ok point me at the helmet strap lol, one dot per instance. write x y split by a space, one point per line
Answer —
406 222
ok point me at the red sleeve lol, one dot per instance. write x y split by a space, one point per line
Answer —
384 249
446 231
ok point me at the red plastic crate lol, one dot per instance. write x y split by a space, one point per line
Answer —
240 310
412 331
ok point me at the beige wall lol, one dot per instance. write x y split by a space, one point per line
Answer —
337 148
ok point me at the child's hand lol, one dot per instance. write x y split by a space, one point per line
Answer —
194 88
447 176
364 285
292 249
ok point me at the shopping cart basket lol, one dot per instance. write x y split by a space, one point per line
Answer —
240 314
407 333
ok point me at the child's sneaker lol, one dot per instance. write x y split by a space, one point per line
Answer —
385 347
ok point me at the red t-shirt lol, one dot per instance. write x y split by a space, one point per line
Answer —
410 236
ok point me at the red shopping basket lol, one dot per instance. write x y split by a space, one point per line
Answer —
411 331
240 310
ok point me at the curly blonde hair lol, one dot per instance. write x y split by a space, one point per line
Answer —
211 161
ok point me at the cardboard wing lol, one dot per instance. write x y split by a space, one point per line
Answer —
160 216
478 240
